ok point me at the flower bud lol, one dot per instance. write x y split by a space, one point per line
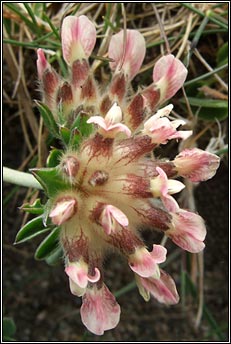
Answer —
70 166
63 210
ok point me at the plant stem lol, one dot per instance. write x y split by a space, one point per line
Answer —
20 178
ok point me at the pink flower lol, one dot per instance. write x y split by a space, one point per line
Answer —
196 164
63 210
78 273
78 38
169 75
187 230
163 187
110 126
111 217
163 288
100 311
127 54
145 263
161 129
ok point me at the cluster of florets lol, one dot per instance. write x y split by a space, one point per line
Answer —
117 185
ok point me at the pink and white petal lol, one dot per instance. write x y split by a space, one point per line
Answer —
118 215
78 38
189 222
181 134
163 289
87 34
107 221
114 115
143 263
75 289
162 123
99 311
115 49
110 217
63 211
132 56
135 52
175 186
146 268
170 203
165 111
196 164
159 253
151 122
78 274
94 278
100 121
143 292
163 181
170 74
119 128
176 123
187 242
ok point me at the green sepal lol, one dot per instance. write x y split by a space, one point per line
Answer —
81 124
36 208
75 138
48 245
65 135
55 257
31 229
48 119
51 180
54 157
46 212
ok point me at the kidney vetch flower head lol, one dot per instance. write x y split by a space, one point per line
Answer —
115 185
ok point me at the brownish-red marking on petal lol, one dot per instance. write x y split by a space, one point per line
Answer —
118 86
80 70
65 93
155 218
88 89
135 111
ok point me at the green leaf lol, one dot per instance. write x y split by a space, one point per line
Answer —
210 109
48 245
209 103
9 327
51 180
54 157
31 229
48 119
222 54
210 114
55 257
35 208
